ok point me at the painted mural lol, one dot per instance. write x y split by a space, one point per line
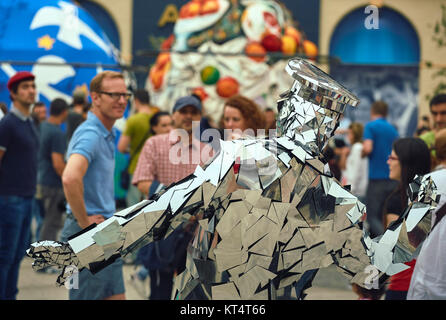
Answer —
395 85
51 38
219 48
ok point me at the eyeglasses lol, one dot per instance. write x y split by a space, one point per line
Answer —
436 113
117 95
393 157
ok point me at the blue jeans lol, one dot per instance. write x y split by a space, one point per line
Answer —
38 213
133 194
15 225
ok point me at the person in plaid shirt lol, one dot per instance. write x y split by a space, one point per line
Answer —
170 157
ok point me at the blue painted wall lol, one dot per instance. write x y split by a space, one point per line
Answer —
394 42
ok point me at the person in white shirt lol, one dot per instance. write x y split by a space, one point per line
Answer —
354 168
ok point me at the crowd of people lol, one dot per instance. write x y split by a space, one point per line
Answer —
393 162
64 179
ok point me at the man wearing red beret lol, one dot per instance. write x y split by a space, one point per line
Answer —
19 144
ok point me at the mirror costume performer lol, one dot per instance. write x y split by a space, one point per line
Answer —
268 212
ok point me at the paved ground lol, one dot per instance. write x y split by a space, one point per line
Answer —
328 285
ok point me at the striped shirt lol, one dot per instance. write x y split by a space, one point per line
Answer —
166 159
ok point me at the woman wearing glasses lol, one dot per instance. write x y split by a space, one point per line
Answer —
409 157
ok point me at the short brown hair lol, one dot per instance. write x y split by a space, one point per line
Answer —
380 107
96 82
3 108
438 99
357 131
251 113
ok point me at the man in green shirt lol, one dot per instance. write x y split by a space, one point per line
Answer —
438 111
136 132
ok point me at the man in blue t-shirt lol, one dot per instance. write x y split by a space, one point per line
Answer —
51 165
88 180
379 136
18 173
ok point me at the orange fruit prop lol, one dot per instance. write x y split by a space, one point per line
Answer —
162 59
255 51
190 9
198 7
209 6
310 49
289 45
227 87
293 32
156 77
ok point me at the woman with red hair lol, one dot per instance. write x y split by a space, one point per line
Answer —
242 116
